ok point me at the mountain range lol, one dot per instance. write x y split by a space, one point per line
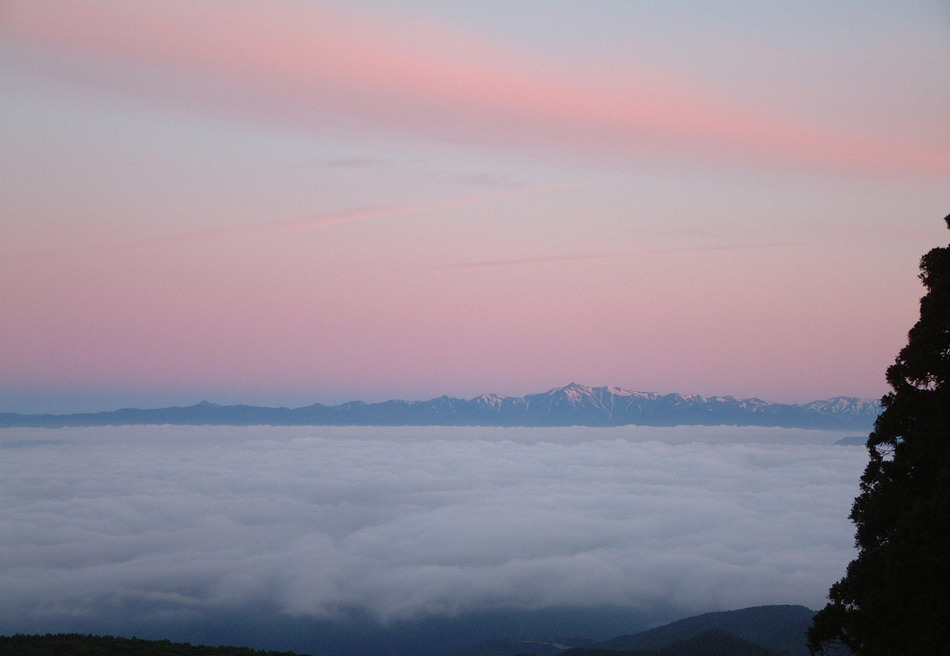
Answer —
756 631
571 405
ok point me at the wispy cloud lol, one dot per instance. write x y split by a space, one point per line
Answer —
551 259
354 162
744 247
557 259
370 214
308 62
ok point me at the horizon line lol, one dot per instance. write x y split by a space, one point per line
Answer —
205 402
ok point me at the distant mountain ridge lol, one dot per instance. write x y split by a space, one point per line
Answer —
757 631
571 405
779 628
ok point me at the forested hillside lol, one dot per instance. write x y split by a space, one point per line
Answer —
72 644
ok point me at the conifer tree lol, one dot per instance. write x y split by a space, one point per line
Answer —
895 597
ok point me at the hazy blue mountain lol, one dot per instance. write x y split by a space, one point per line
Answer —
758 631
777 628
572 405
714 642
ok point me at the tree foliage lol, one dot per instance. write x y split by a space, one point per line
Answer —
894 598
74 644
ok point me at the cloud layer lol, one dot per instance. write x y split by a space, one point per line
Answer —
175 524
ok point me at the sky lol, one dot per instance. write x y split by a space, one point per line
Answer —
292 202
317 538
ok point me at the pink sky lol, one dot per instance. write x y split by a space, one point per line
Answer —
290 202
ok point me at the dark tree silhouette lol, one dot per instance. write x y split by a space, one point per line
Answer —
894 598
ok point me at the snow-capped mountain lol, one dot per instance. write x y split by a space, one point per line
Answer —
845 405
613 406
571 405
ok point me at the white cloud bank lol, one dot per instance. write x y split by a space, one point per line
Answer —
175 523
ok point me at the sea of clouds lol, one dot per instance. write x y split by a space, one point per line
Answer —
142 528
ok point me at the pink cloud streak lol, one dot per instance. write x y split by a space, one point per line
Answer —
310 61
